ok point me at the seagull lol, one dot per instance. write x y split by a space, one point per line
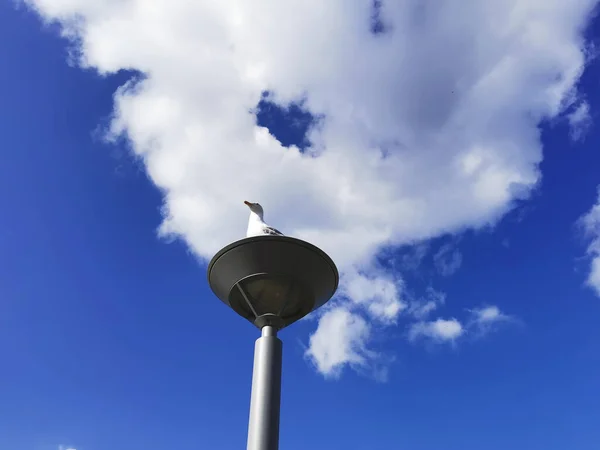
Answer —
256 224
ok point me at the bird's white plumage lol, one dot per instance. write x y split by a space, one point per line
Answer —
256 223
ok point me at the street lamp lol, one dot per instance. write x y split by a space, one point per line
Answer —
272 281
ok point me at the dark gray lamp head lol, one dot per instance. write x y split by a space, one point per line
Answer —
272 280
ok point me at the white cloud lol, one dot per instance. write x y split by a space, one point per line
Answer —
440 330
590 222
486 318
488 314
339 340
481 321
447 260
62 447
580 121
454 95
379 295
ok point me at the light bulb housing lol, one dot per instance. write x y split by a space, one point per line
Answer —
272 280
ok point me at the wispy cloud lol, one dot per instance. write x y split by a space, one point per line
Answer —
447 260
590 223
404 152
411 260
580 121
425 305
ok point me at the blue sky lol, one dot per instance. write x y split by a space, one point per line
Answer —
111 339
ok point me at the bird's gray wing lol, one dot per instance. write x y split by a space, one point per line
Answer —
272 231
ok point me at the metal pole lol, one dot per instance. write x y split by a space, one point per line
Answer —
263 427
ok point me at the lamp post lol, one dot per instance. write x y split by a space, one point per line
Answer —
272 281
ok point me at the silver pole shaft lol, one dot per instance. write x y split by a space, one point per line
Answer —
263 427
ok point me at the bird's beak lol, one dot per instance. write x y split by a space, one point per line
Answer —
247 203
